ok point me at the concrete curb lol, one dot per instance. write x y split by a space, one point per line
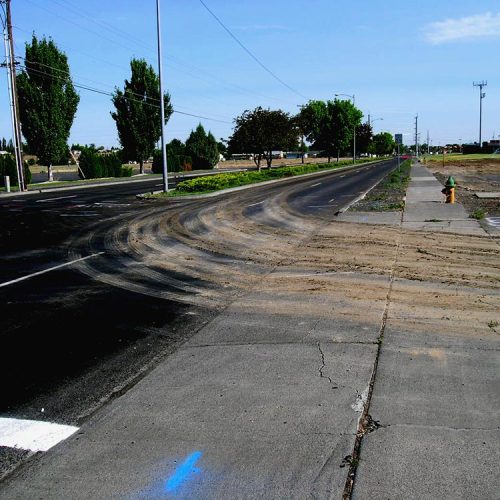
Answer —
257 184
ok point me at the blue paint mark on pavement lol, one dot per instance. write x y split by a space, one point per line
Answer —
183 471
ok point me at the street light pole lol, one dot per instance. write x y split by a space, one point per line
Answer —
482 95
354 130
162 103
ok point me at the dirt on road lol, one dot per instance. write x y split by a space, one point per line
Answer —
214 252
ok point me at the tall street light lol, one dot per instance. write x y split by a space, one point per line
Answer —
354 131
162 103
374 120
301 106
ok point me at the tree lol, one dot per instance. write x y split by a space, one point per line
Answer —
364 137
6 146
330 125
47 101
222 146
261 132
137 114
202 148
383 143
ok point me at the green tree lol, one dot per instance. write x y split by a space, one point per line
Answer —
137 114
383 144
7 146
261 132
330 125
47 101
364 137
202 148
222 147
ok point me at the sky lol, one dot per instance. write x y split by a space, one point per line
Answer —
398 59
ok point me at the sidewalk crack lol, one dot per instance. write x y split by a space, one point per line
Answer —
323 364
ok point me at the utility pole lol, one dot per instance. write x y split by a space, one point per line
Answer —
428 149
354 131
162 103
354 136
482 95
416 136
10 64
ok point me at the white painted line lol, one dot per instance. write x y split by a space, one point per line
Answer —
342 175
317 184
253 204
7 283
318 206
79 215
58 198
333 199
32 435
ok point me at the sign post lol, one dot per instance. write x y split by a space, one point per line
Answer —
398 138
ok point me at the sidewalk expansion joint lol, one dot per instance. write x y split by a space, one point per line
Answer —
366 424
445 427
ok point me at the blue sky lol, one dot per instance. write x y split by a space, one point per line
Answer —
398 58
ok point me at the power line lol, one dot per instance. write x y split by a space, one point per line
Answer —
110 94
250 53
173 59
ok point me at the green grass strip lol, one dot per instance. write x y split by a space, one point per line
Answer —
217 182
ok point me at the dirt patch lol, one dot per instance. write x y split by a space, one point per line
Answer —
472 176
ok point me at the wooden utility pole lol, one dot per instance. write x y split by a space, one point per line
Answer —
11 70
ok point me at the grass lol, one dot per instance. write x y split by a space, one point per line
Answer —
388 195
459 157
477 214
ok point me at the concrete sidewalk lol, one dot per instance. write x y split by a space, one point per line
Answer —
436 397
426 210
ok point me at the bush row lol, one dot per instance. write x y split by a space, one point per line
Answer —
229 180
96 166
175 163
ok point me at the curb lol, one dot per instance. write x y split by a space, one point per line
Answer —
257 184
360 197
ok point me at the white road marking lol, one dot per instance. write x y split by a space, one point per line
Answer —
253 204
317 184
93 214
493 221
58 198
342 175
32 435
333 199
7 283
318 206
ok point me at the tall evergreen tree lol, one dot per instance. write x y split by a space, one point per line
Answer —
137 114
202 148
47 101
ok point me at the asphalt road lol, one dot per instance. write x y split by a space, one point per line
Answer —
72 339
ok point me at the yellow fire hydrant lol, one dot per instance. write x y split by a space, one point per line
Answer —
449 190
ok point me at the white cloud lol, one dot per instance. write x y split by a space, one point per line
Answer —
478 26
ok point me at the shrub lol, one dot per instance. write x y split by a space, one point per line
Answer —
95 166
8 167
